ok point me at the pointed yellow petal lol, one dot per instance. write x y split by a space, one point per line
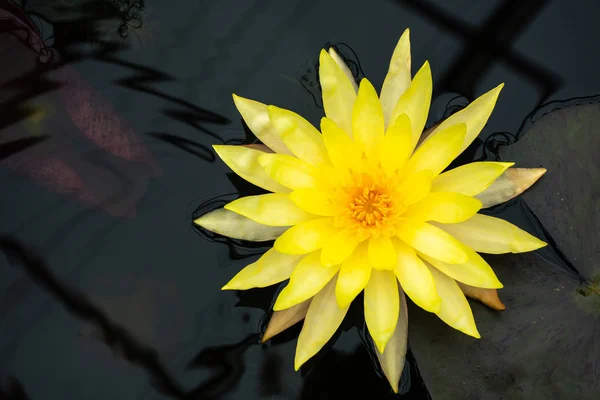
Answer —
233 225
431 240
398 76
367 120
314 201
437 152
340 147
273 267
340 63
415 278
392 359
474 272
469 179
244 162
303 139
382 254
338 92
509 185
444 207
257 118
455 311
289 171
272 209
397 144
415 187
475 116
415 102
489 297
307 279
283 319
321 322
492 235
305 237
382 306
353 276
338 247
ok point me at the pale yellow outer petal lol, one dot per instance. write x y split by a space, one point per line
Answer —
244 162
338 92
509 185
469 179
474 272
382 306
289 171
455 311
493 235
307 279
382 254
340 62
299 135
392 359
431 240
339 247
415 187
273 267
398 76
353 276
257 118
415 278
272 209
314 201
475 116
342 151
396 147
305 237
322 321
444 207
233 225
367 120
415 102
283 319
437 152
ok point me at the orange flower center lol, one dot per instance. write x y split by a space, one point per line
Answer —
371 206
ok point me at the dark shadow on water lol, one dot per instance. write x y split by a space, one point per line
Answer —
17 146
12 389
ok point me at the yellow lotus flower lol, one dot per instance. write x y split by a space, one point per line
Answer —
363 205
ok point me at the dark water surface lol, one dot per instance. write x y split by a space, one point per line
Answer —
108 292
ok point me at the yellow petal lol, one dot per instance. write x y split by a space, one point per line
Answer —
314 201
340 147
398 76
392 359
289 171
382 254
283 319
474 272
303 139
338 247
437 152
305 237
338 92
367 120
469 179
340 63
510 184
492 235
233 225
321 322
353 276
415 278
396 146
415 187
415 102
307 279
257 118
444 207
273 267
382 306
431 240
244 162
272 209
475 116
455 311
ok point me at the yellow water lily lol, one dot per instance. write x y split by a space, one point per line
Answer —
365 205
